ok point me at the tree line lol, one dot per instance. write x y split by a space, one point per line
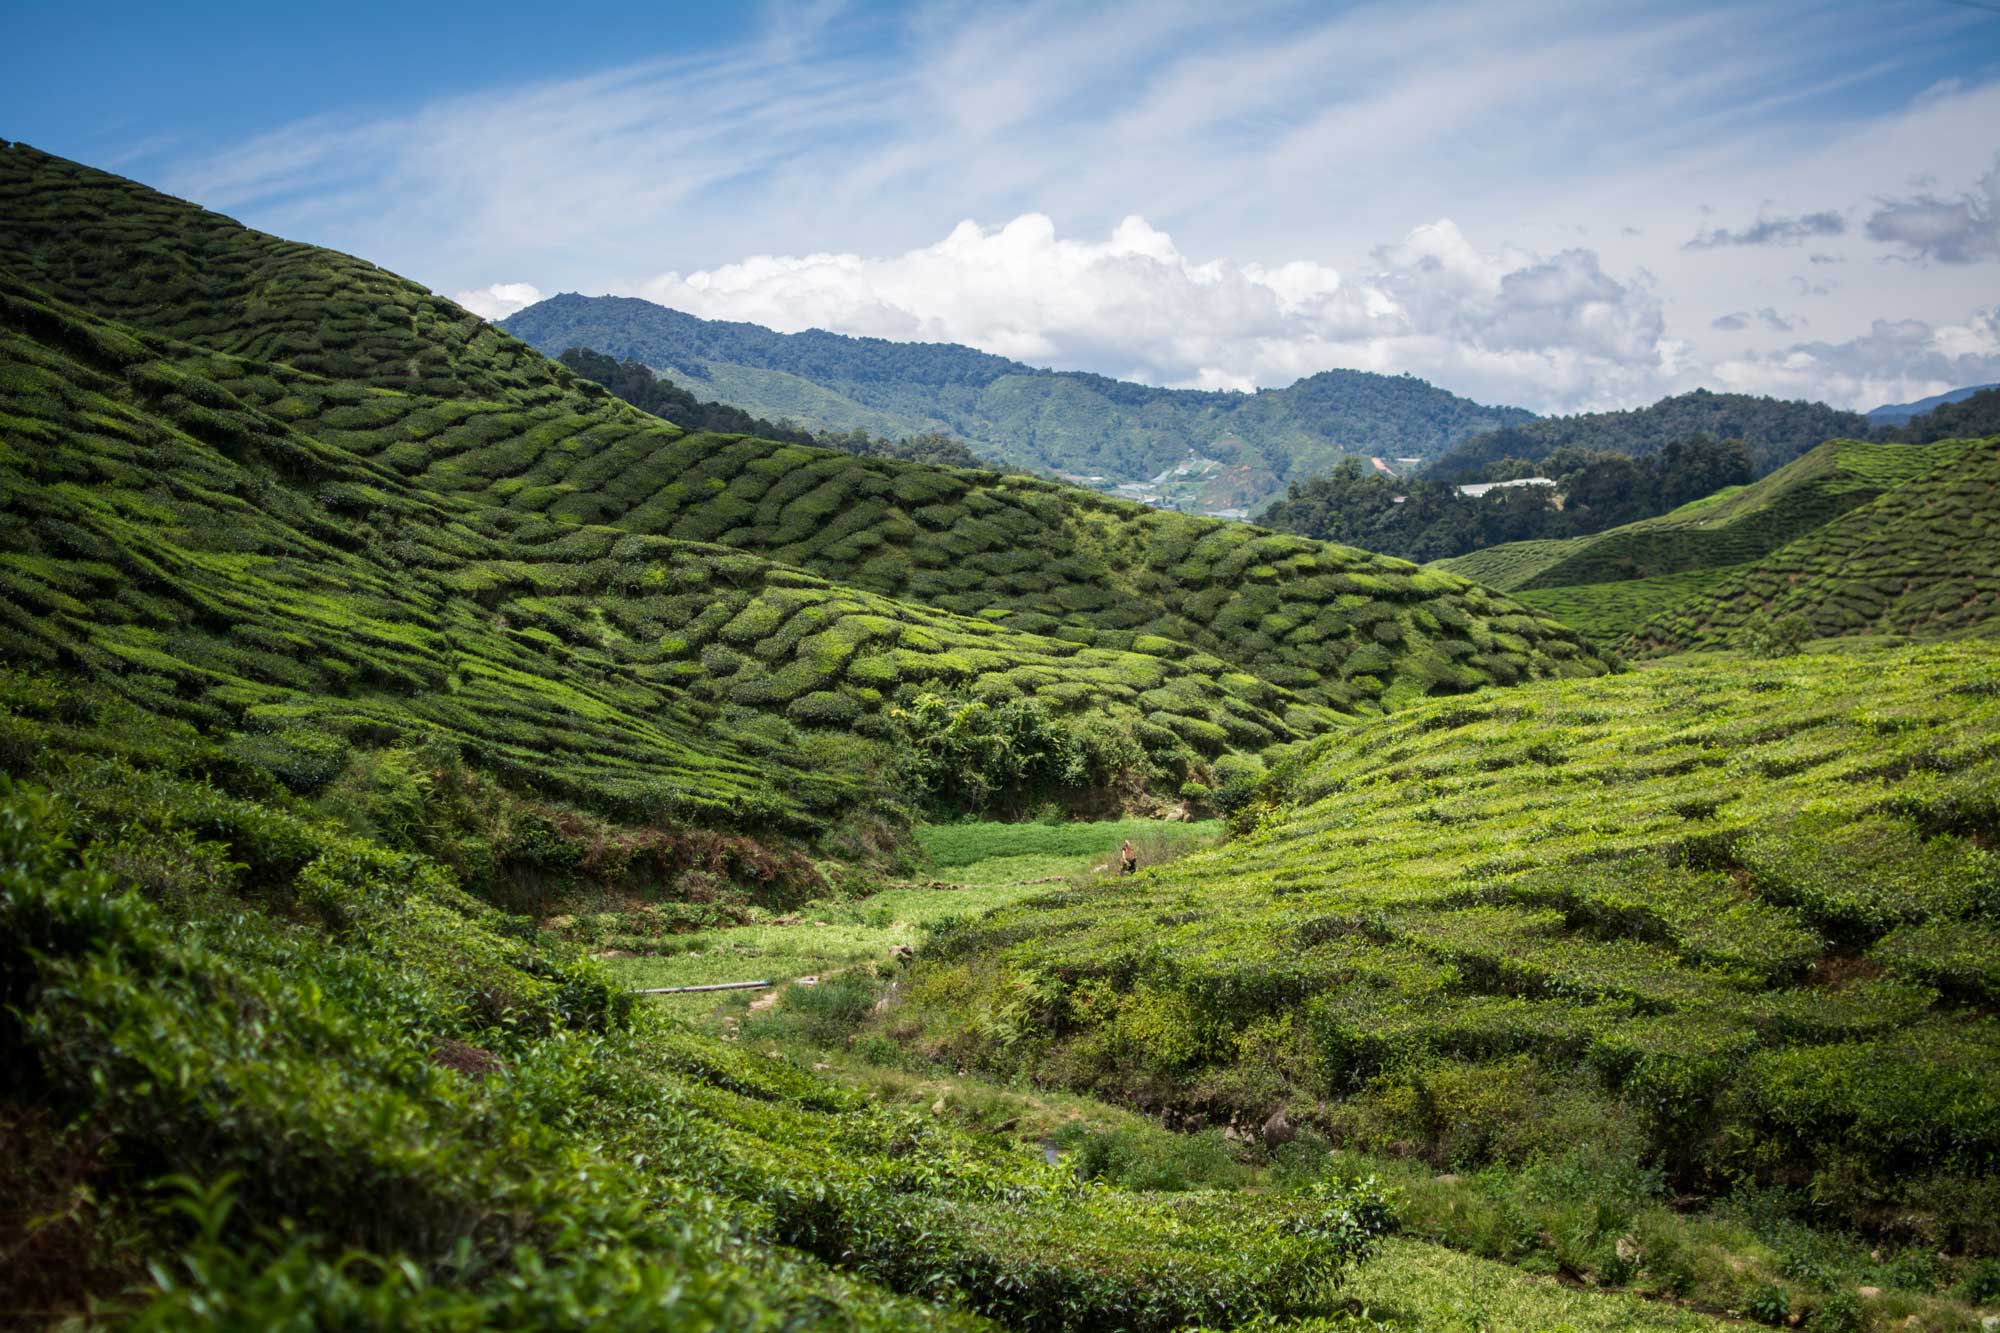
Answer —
1425 518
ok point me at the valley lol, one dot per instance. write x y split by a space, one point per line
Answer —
1590 933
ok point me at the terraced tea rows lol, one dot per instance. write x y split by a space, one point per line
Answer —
137 257
1731 914
220 565
1923 558
510 519
1662 560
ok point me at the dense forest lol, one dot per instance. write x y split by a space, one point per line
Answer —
1427 519
639 386
1776 432
1058 421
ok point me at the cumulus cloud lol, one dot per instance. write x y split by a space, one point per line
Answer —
1961 230
1555 331
1896 361
498 300
1772 231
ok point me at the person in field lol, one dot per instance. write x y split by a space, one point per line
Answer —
1128 858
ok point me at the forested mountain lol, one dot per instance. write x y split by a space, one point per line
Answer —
666 400
1775 430
1897 414
1068 422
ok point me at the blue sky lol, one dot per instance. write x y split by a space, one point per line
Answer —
1558 204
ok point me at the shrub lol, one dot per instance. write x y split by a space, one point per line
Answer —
302 758
1769 1304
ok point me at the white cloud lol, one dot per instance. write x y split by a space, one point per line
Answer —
1264 132
1962 230
1896 361
1508 325
498 300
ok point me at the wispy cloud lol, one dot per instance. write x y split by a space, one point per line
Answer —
1773 231
1896 361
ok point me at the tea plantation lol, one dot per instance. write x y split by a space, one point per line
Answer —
1612 582
346 644
264 1073
1922 559
1738 919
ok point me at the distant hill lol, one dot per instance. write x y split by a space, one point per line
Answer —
1610 583
1777 431
1923 558
1895 414
1067 422
1973 417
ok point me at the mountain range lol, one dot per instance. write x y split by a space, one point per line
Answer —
1067 422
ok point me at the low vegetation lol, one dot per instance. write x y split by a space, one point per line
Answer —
305 1076
1717 922
1614 582
1923 558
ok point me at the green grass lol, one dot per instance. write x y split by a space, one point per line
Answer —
984 865
953 846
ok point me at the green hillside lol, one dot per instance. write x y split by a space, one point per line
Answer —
1735 920
1065 422
1610 583
1776 431
264 1073
1923 559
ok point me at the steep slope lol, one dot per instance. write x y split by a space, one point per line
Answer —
1923 558
1735 919
1059 421
234 566
1776 431
1341 630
